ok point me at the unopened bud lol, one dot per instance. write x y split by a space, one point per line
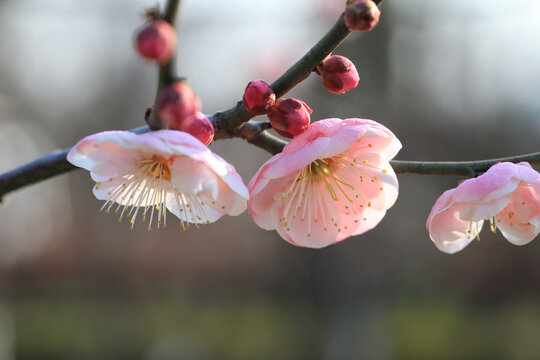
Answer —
176 104
199 126
258 97
339 74
289 117
361 15
156 40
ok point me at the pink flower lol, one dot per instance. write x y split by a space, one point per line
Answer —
142 175
330 182
507 195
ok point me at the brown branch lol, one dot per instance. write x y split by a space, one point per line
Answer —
167 72
234 117
459 168
227 124
55 163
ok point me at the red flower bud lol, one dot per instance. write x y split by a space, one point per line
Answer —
289 117
339 74
199 126
361 15
176 104
258 97
156 40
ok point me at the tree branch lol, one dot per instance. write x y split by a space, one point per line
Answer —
167 72
234 122
237 115
460 168
55 163
45 167
227 124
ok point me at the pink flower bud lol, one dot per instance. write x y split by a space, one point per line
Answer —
361 15
339 74
199 126
258 97
156 40
177 103
289 117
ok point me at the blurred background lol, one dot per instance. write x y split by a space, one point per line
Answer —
453 79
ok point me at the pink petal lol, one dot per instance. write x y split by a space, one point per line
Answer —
371 185
516 232
225 192
259 180
193 177
525 202
382 140
233 179
309 234
501 179
260 203
520 221
476 211
292 162
317 130
370 219
446 229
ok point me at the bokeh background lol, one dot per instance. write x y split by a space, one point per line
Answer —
454 80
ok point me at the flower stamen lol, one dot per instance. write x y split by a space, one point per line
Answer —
319 185
145 186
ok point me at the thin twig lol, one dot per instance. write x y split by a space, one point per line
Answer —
167 72
55 163
234 117
459 168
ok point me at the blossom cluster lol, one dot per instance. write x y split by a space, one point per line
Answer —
333 180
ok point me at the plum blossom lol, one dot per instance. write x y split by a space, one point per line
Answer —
143 175
507 195
332 181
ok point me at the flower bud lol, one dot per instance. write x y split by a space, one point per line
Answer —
258 97
199 126
176 104
339 74
361 15
289 117
156 40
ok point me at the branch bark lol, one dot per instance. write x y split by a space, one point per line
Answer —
55 163
459 168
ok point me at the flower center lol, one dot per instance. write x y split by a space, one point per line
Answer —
327 190
160 168
145 189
